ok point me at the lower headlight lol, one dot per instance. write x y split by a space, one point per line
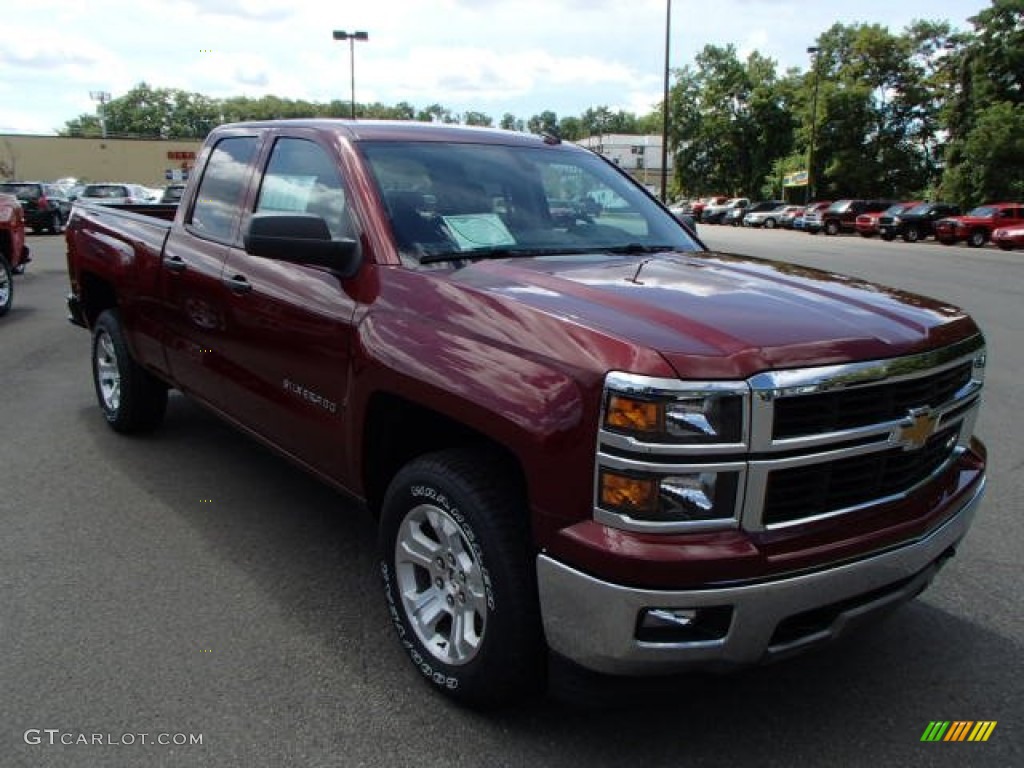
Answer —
689 497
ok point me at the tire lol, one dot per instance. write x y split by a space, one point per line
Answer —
912 235
770 224
977 238
6 285
832 228
131 398
454 531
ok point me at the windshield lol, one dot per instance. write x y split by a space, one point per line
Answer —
920 210
105 191
840 206
21 191
500 201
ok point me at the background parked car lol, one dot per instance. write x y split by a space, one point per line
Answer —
788 216
977 225
842 215
811 220
13 251
916 223
714 214
868 224
1009 238
758 214
172 194
115 193
46 206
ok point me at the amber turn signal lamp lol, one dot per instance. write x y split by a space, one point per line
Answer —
628 494
632 415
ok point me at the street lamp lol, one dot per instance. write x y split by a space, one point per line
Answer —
351 37
813 51
664 108
102 97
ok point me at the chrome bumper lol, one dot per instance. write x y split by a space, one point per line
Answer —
594 623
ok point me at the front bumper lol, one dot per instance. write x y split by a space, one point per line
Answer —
595 623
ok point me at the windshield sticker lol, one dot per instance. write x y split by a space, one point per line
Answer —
478 230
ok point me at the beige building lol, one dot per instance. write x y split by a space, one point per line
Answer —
151 162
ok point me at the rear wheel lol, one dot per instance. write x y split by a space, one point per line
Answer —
977 238
131 398
769 224
459 576
832 227
6 285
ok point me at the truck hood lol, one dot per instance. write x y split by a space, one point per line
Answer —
720 315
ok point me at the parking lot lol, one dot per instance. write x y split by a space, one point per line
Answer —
190 582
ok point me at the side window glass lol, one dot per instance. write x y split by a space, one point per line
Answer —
219 199
302 178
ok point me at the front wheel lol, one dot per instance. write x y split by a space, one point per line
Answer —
6 285
832 228
131 398
977 238
459 576
769 224
56 224
912 235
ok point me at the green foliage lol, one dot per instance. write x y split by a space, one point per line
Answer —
991 157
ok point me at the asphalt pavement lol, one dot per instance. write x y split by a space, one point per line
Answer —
191 586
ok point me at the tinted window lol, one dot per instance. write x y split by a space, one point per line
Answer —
302 178
21 191
219 199
461 197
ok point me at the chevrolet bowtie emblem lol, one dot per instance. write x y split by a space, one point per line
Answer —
917 428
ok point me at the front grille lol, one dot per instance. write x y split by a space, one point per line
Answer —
817 489
862 406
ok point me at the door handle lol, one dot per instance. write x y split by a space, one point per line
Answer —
237 284
175 264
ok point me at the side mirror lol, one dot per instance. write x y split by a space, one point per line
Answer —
300 238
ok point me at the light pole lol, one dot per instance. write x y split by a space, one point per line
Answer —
102 97
813 50
351 37
664 108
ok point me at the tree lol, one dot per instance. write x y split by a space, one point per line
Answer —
477 118
545 122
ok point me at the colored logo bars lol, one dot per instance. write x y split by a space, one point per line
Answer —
958 730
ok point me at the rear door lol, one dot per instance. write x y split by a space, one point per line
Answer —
287 334
192 318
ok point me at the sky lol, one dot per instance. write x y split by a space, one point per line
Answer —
491 56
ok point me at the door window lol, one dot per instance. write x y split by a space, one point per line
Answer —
302 178
219 199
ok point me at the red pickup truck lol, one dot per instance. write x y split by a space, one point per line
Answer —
586 437
14 254
976 225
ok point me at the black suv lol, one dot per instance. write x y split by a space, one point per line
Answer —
842 215
46 206
917 223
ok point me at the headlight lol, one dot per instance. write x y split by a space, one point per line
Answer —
715 417
691 497
671 454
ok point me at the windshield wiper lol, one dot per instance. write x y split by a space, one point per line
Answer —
630 248
501 252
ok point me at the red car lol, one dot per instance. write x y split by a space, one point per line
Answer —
867 223
977 226
1009 238
13 251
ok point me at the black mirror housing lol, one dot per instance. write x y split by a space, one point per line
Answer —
300 238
